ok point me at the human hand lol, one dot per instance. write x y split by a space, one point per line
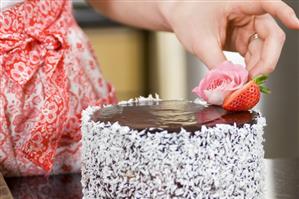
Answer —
207 28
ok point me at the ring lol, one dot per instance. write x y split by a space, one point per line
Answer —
253 37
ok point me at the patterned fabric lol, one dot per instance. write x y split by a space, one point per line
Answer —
48 75
8 3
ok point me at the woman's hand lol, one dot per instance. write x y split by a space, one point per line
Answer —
207 28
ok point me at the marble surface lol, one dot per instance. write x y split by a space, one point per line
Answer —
282 182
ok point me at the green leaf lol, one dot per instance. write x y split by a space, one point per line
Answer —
260 79
265 90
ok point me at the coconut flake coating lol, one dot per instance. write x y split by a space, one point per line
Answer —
222 162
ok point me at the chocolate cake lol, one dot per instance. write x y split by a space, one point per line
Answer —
151 148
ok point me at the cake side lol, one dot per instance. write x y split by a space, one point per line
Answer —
224 161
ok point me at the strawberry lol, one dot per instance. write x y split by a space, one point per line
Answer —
246 97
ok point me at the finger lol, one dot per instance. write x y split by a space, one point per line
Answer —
273 38
276 8
209 51
241 36
247 58
255 50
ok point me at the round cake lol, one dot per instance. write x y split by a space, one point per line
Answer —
151 148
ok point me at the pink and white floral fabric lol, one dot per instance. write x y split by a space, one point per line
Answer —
48 74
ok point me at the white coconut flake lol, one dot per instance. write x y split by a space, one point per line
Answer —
222 162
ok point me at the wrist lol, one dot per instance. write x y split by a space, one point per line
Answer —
165 10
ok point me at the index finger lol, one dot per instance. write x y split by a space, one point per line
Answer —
277 9
273 39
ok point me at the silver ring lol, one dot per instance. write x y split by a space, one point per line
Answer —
253 37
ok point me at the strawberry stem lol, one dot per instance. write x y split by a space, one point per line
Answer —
260 80
264 89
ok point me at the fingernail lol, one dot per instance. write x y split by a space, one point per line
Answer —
295 18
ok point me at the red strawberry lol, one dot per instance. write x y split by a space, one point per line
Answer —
246 97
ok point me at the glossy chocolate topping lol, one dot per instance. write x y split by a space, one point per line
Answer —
171 115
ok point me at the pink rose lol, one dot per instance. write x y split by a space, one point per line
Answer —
220 82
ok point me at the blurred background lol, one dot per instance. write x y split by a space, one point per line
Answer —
139 62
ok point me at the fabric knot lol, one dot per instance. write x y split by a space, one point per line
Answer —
36 51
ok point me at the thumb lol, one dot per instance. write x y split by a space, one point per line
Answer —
209 52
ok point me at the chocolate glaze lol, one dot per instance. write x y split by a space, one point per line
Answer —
171 115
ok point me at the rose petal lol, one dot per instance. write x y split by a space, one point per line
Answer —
220 82
214 96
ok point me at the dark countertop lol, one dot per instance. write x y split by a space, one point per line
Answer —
282 182
282 179
40 187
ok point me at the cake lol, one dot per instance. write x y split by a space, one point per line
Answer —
152 148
